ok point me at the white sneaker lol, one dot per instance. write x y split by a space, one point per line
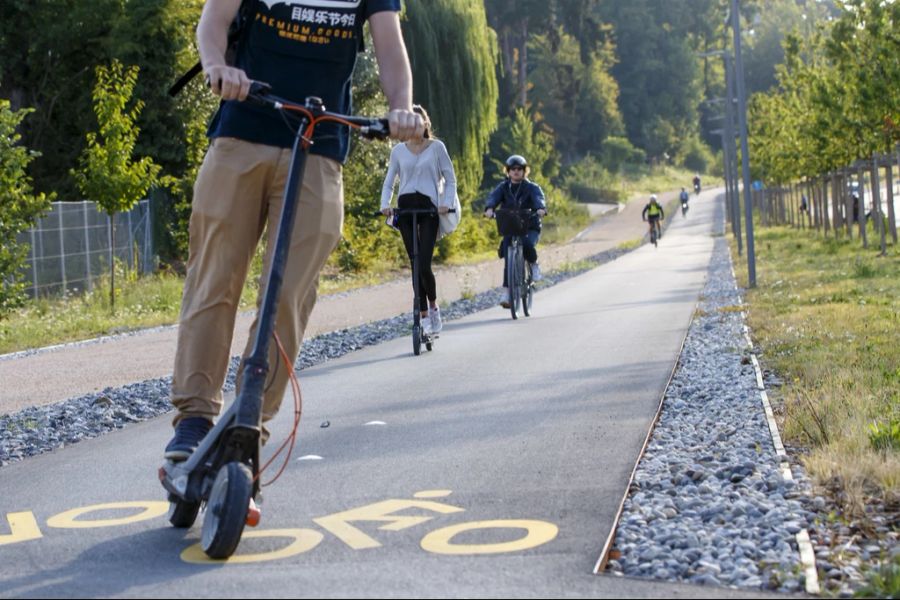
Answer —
536 272
426 325
435 315
505 301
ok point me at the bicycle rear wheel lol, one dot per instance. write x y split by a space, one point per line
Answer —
512 280
527 291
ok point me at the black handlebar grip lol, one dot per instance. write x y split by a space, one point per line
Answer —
378 129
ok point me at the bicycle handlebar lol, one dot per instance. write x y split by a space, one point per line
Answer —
314 111
410 211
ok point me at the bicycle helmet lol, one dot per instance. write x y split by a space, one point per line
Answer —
516 160
653 198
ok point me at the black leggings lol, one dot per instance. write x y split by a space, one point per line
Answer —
428 232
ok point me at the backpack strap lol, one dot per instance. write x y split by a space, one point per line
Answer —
235 36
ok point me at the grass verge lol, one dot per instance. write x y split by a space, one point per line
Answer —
826 314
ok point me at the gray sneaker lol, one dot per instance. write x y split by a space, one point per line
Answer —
536 272
435 315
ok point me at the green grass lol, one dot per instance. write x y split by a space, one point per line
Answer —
882 582
827 316
630 244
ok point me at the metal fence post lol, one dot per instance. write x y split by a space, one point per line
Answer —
876 198
892 219
861 205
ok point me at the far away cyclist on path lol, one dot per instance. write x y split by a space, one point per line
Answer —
653 213
517 192
240 186
427 181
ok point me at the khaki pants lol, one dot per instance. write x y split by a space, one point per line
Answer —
238 192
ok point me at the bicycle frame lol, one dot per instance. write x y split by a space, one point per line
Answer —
518 279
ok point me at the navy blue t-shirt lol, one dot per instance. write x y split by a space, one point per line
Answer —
301 48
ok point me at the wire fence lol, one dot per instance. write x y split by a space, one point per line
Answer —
842 202
69 248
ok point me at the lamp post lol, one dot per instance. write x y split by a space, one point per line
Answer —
729 151
745 152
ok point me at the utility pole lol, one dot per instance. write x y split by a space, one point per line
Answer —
730 149
745 152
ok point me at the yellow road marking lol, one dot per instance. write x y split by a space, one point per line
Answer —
67 519
339 523
538 532
304 540
22 527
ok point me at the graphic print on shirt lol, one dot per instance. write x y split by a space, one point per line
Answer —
315 3
305 24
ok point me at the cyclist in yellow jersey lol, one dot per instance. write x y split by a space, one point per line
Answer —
653 212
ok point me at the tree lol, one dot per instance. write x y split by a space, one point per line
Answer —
48 65
578 100
19 206
461 95
657 69
108 175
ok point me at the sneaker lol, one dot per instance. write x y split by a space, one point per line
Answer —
536 272
505 302
189 433
435 315
426 324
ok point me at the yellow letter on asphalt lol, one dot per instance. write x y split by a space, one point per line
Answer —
22 526
69 518
536 533
339 523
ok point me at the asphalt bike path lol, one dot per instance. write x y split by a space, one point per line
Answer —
72 370
491 467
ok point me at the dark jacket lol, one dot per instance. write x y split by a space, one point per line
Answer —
527 195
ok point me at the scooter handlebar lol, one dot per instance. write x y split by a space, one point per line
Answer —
369 127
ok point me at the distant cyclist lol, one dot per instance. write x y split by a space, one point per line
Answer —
684 197
697 183
653 213
517 192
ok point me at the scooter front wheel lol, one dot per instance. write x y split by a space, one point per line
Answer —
417 339
226 510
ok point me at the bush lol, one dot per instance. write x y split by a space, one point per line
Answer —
19 207
617 153
697 156
589 181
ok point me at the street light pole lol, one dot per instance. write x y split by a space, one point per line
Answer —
731 152
745 152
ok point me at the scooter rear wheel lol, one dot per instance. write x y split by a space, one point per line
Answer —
226 510
182 514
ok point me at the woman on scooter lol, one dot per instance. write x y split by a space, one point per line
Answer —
427 180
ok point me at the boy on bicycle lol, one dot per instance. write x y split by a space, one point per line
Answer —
517 192
653 213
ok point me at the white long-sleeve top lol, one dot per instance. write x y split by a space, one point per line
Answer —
430 172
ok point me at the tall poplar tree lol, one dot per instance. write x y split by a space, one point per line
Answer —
453 54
